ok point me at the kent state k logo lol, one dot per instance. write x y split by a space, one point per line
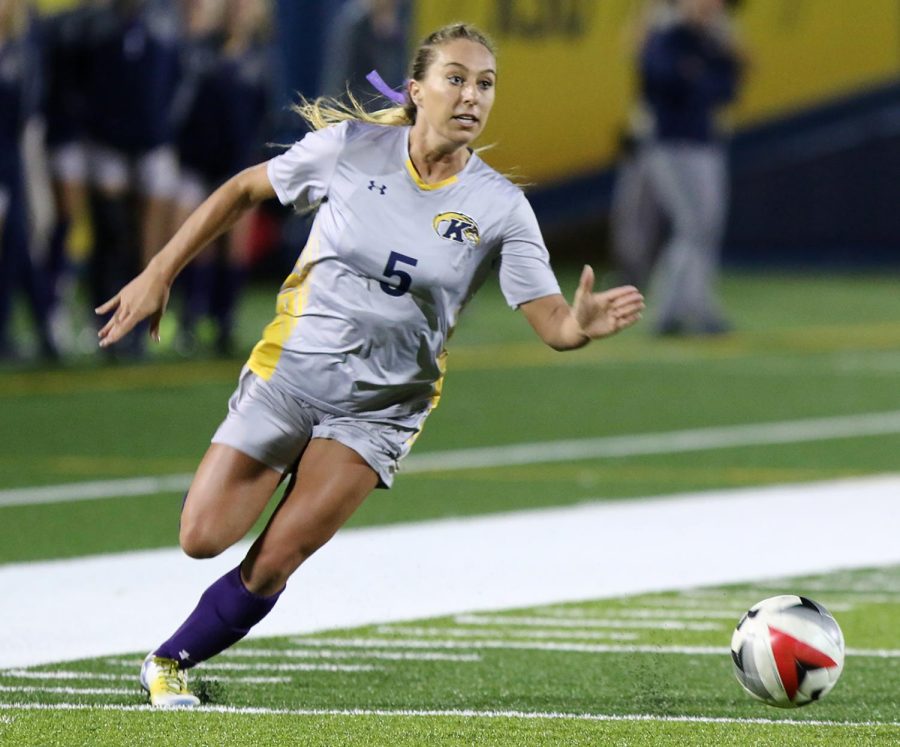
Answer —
457 227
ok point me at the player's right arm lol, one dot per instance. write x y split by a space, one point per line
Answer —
147 295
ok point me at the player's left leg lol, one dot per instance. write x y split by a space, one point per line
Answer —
332 482
710 179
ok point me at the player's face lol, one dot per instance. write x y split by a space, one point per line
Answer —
246 15
703 11
456 96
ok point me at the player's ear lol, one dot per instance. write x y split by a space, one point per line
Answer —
415 91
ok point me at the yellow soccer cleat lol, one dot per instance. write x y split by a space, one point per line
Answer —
166 683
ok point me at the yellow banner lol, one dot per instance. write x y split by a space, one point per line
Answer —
566 78
54 6
804 51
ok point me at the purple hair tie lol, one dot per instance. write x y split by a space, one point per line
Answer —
384 89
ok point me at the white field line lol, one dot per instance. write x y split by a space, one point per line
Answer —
646 614
31 689
851 596
671 442
481 564
505 644
285 667
695 599
80 491
606 635
667 612
584 648
874 653
699 439
218 664
29 674
462 713
561 622
299 653
71 675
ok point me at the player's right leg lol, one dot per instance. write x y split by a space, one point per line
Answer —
227 495
262 436
229 492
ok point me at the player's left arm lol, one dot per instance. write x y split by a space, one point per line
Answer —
590 317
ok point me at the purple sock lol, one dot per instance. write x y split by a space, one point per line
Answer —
225 613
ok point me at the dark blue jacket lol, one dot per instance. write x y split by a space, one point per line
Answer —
686 74
224 108
198 110
64 37
132 75
252 78
19 96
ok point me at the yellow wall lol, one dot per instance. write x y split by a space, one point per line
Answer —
809 50
566 77
52 6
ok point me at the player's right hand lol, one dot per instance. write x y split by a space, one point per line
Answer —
145 296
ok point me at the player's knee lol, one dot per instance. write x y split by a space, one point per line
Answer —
199 543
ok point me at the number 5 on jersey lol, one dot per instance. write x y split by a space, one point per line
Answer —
403 278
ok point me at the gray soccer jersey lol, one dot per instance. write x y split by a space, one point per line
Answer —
363 318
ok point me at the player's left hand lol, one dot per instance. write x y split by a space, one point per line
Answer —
604 314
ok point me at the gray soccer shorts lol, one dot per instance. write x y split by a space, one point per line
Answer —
274 427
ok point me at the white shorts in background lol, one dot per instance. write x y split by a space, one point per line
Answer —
192 189
4 204
69 162
153 173
274 428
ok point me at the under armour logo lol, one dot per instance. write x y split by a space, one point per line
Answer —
184 655
382 188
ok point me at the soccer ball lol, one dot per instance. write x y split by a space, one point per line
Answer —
788 651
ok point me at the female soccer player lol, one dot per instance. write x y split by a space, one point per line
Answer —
411 222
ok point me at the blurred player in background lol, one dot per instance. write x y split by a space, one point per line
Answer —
64 34
411 222
19 100
637 223
199 113
223 110
366 35
690 67
131 76
250 68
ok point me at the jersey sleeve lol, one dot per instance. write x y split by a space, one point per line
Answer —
525 272
301 175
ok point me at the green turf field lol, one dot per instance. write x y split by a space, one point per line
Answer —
806 348
646 670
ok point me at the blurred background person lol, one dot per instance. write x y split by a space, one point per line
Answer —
198 115
637 223
63 34
365 35
132 70
224 111
690 66
19 101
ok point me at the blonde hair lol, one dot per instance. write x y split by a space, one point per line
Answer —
325 111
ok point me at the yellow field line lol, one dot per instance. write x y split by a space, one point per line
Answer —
484 357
